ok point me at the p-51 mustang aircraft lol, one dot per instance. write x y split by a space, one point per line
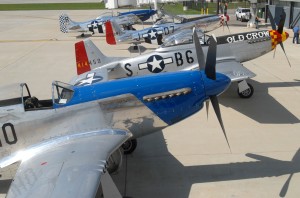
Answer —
124 19
155 34
67 25
64 143
232 51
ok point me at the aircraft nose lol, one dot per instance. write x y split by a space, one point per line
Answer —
277 37
285 36
218 86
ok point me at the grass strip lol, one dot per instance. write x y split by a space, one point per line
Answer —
52 6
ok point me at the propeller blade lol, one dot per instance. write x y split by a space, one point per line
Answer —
199 50
210 67
207 108
281 44
272 20
274 51
281 22
215 104
285 187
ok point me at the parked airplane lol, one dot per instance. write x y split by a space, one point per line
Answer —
124 19
64 143
232 51
155 34
143 15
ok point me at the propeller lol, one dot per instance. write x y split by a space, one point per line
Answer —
210 72
279 30
284 189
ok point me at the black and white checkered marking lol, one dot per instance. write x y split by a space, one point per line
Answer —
90 78
155 63
63 23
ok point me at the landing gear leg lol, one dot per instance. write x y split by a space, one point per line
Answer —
129 146
245 90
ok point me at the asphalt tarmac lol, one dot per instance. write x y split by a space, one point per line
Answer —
190 159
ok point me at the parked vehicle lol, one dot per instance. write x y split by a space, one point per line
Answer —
243 14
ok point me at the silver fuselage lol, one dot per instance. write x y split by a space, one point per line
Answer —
165 29
183 57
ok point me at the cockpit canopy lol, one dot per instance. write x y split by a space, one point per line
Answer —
184 37
17 97
62 92
13 94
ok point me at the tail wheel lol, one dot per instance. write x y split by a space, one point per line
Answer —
247 93
129 146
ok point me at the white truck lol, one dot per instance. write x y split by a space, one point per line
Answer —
243 14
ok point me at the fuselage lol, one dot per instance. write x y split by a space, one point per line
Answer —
95 25
238 47
158 31
142 14
140 105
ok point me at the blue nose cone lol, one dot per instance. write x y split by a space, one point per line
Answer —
216 87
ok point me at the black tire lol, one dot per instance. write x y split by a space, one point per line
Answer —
247 93
82 35
129 146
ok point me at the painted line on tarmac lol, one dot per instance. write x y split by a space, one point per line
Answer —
40 40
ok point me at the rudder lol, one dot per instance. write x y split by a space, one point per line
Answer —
64 21
110 35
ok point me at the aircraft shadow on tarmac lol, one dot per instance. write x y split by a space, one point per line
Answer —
261 107
87 35
165 176
142 49
4 185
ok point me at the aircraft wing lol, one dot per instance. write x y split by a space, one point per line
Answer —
67 166
234 70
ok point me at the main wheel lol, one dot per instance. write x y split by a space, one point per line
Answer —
82 35
129 146
247 93
135 47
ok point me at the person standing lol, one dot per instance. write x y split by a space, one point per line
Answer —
296 34
256 22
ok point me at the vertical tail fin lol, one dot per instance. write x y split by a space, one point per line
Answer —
88 56
64 21
110 34
112 31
